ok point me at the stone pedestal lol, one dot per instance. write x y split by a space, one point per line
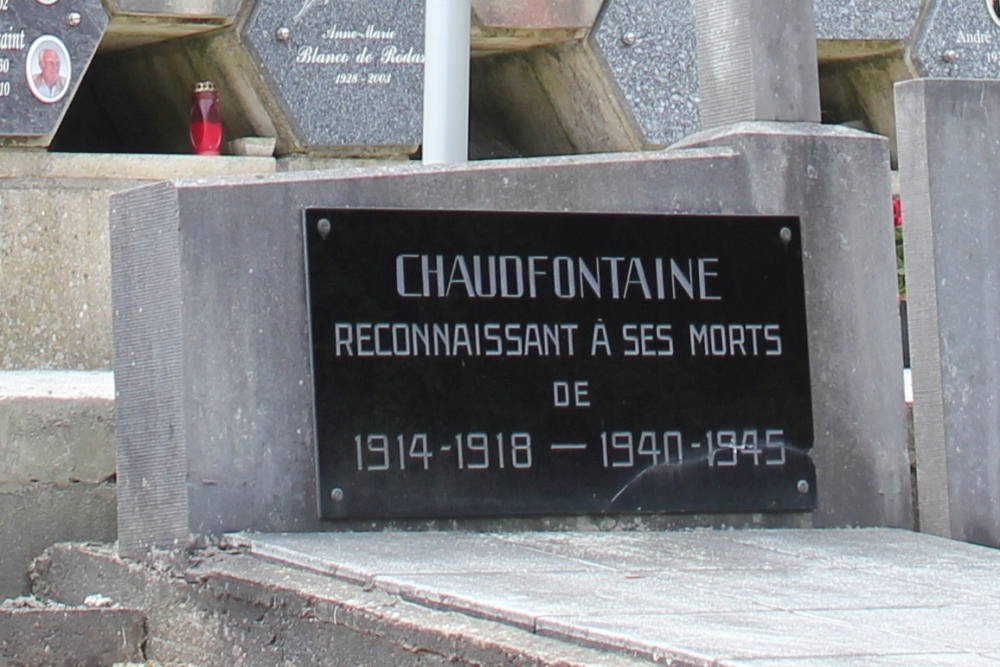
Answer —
212 357
949 138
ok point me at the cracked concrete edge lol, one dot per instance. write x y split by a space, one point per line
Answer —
228 607
46 635
36 516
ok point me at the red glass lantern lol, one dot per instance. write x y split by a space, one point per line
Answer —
206 123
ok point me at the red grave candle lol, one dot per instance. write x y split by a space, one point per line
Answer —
206 123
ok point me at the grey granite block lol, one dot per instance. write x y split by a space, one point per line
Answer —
756 61
949 140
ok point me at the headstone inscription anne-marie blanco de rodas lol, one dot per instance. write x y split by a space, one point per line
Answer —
345 74
490 363
45 47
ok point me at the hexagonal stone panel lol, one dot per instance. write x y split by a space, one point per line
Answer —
348 76
959 38
889 20
45 47
648 49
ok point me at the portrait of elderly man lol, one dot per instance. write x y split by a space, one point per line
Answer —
49 81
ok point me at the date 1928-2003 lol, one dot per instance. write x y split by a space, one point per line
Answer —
619 449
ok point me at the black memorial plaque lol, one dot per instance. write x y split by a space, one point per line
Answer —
508 363
45 47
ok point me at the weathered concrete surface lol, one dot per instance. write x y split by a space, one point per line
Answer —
55 285
55 310
33 633
128 167
57 433
231 608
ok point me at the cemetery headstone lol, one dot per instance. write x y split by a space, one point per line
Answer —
345 75
217 408
45 47
959 39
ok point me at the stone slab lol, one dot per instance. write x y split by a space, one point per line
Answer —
927 621
903 659
136 23
731 637
26 164
348 76
948 144
959 39
66 35
833 596
57 385
177 8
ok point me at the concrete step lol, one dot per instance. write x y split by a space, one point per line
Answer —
57 481
752 598
231 608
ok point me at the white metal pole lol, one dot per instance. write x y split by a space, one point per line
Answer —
446 81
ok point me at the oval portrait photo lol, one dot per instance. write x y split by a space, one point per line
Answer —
993 6
48 69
